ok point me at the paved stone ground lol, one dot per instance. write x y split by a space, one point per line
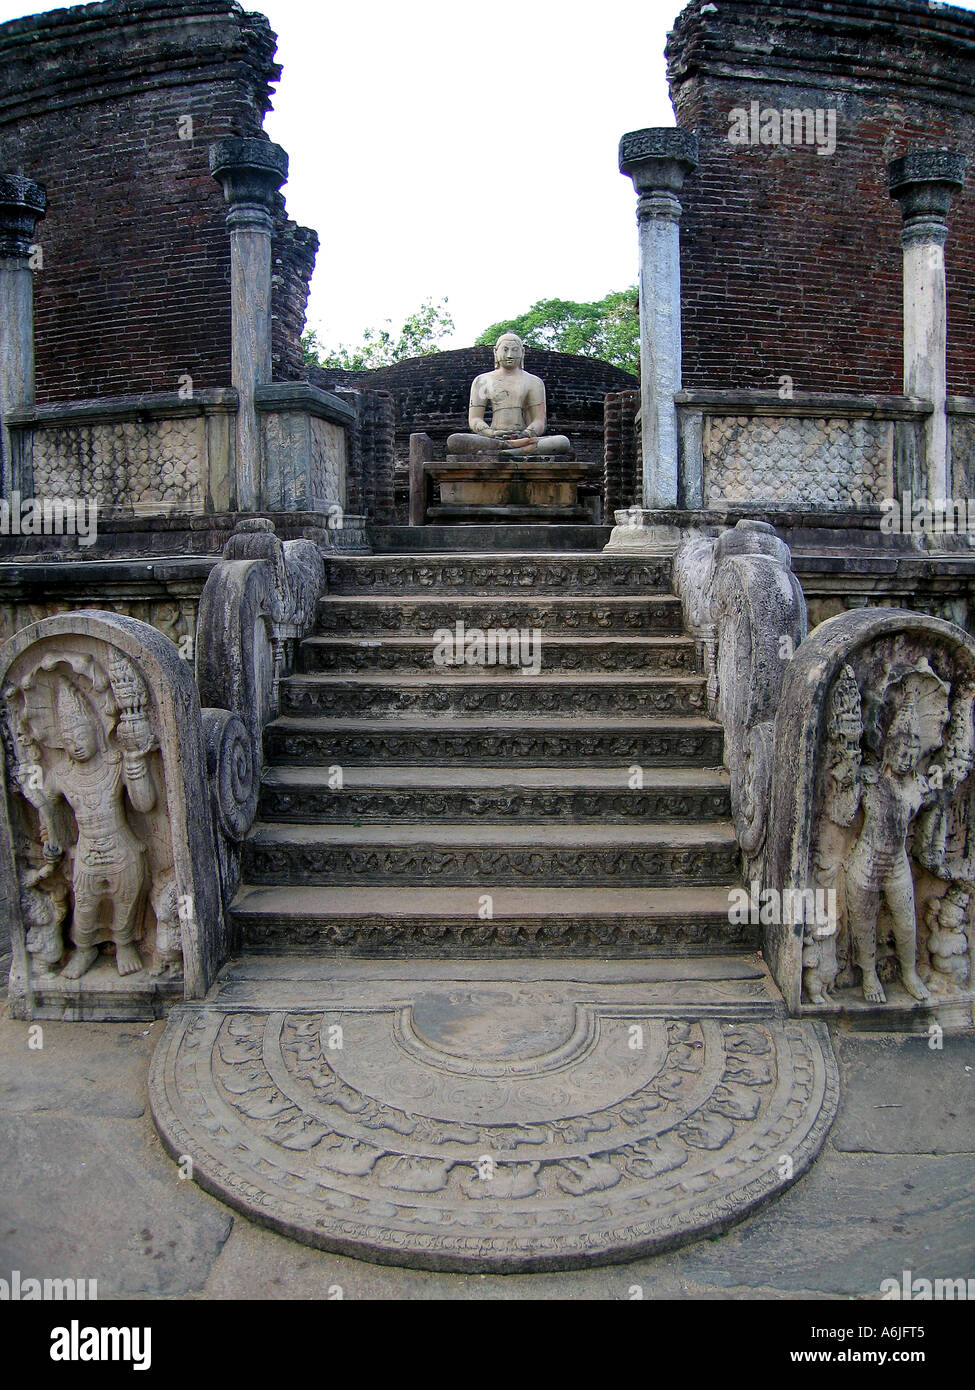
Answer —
89 1192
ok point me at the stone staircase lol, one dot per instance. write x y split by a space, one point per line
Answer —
414 808
488 1011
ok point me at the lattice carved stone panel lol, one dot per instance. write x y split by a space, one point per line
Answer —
151 464
821 463
963 454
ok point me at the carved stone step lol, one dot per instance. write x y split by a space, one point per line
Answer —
539 742
464 853
650 655
582 573
434 922
507 695
423 616
508 1117
405 794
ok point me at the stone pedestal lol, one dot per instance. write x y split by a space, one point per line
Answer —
22 204
540 490
639 530
924 182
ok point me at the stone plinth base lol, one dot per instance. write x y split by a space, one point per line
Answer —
637 529
126 535
538 490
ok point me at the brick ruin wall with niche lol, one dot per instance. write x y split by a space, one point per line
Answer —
91 105
791 260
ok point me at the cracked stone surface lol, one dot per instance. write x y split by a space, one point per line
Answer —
854 1219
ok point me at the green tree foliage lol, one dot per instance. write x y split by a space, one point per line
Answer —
420 335
607 328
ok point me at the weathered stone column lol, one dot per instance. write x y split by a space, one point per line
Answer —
251 172
22 204
658 161
923 182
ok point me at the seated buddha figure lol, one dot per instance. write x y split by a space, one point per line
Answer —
517 401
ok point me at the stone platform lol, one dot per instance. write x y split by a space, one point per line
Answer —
480 1116
539 489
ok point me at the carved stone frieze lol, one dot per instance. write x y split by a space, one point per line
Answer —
175 618
293 860
667 746
833 464
654 615
152 465
307 697
663 656
692 934
537 574
320 803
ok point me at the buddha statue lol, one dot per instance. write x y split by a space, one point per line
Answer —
517 401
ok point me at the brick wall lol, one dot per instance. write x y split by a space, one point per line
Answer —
134 290
790 260
370 479
622 455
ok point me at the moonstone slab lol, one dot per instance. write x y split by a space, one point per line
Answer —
489 1126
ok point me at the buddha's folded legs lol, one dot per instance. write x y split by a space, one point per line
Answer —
483 444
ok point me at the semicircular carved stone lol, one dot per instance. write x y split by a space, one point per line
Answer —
872 822
496 1127
107 858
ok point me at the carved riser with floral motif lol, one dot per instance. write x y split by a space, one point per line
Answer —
292 741
609 616
415 805
535 574
282 861
703 934
649 656
334 697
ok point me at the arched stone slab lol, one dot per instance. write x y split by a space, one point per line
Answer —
126 831
852 678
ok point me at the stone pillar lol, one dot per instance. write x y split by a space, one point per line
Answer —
923 182
658 161
22 204
251 172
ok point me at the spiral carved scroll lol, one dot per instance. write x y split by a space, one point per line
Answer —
233 770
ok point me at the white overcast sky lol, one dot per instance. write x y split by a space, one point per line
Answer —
447 148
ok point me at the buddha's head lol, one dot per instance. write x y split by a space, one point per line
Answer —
509 351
